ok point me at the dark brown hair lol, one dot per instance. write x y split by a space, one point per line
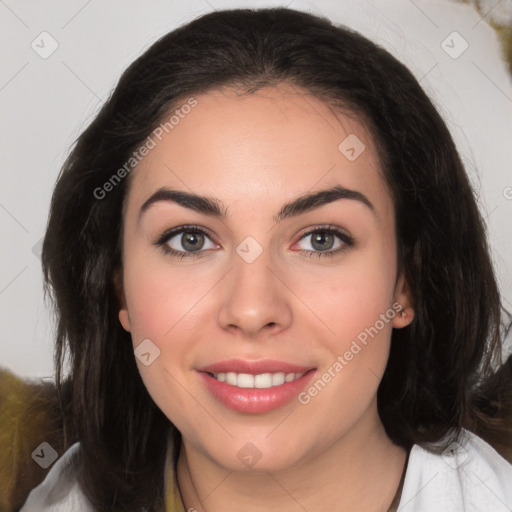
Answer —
440 376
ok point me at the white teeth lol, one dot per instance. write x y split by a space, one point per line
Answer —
263 381
231 378
260 381
277 379
245 380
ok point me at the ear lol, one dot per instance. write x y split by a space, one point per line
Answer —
403 296
124 317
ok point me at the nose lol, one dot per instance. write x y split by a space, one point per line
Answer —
254 298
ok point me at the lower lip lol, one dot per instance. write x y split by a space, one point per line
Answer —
255 400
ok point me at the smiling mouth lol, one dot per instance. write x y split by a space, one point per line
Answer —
257 387
259 381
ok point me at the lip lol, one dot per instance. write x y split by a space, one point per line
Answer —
255 400
254 367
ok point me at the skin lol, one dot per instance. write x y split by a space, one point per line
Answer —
255 153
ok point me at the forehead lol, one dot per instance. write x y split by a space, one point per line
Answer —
275 143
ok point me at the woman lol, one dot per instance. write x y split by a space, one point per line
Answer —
274 284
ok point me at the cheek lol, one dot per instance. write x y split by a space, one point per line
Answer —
164 307
159 296
354 303
351 296
355 307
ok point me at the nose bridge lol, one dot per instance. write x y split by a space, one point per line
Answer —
252 265
255 297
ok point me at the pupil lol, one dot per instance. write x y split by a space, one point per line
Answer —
190 241
321 238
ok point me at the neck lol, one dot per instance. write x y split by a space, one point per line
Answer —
359 471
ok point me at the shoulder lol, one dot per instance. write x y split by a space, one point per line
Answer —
29 415
469 476
59 492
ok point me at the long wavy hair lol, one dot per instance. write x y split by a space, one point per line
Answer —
445 369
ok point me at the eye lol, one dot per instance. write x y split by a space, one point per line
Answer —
323 241
194 241
184 241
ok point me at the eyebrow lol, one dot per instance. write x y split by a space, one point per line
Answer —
214 208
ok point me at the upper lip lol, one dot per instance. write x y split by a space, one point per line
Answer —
254 367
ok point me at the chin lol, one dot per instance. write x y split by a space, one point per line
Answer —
255 456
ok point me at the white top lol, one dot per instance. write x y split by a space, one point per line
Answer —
470 476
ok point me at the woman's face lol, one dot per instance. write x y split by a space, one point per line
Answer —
265 291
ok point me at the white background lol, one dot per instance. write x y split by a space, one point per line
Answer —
46 103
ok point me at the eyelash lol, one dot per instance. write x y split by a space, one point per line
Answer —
347 240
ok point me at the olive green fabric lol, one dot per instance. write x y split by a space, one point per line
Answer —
28 417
